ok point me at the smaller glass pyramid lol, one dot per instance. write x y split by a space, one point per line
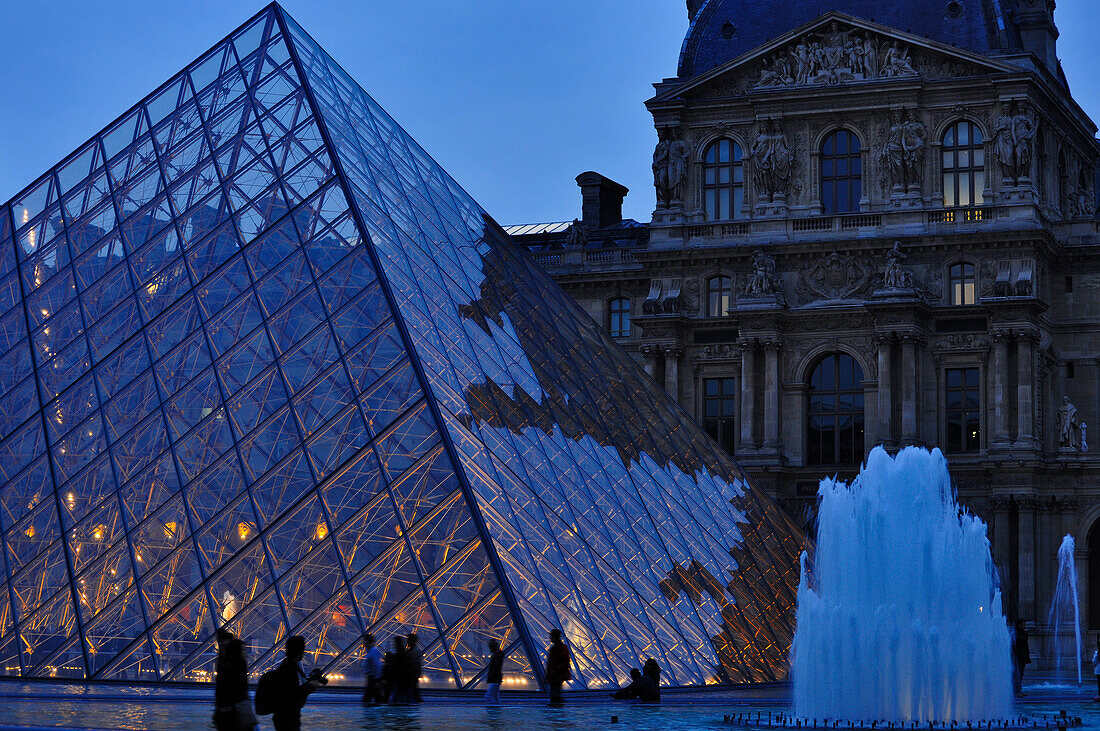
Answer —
265 365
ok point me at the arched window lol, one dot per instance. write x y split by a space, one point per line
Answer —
963 165
841 173
619 317
962 284
719 296
835 412
723 181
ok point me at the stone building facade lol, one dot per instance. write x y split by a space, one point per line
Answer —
874 226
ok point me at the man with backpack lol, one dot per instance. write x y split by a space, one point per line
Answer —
283 691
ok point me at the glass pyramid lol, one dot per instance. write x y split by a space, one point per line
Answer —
267 366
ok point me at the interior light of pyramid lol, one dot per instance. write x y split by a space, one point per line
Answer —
265 366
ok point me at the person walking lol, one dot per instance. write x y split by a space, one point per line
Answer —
1096 668
291 687
394 672
232 711
558 667
372 672
494 674
1021 656
413 667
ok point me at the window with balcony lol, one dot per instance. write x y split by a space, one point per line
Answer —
723 181
841 173
963 165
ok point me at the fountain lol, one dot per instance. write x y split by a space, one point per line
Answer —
899 613
1065 610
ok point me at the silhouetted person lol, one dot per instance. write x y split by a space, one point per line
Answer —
650 689
230 684
1096 668
291 688
394 671
630 692
373 691
494 674
413 667
558 667
1021 656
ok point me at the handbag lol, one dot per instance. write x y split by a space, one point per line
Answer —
246 718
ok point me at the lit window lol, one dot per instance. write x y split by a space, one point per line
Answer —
835 412
719 296
723 181
963 286
619 318
841 173
719 406
963 165
963 411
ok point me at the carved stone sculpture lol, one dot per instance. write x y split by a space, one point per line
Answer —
1013 144
660 169
1069 427
576 238
670 168
763 281
771 157
896 61
835 277
679 156
896 275
903 153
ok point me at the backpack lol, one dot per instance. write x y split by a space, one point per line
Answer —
265 693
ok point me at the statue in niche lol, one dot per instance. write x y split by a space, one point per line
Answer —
897 276
763 279
1013 140
896 61
679 155
903 153
772 157
660 168
1069 427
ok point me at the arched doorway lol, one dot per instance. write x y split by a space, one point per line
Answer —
1094 578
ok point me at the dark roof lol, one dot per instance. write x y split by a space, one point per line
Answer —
982 26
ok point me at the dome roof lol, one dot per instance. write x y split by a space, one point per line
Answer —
725 29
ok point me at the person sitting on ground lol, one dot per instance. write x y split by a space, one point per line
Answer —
630 692
494 674
650 689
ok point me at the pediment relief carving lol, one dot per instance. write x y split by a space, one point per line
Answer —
834 54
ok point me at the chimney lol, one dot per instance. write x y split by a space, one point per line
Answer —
693 8
601 201
1038 33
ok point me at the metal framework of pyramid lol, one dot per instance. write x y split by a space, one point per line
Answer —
266 366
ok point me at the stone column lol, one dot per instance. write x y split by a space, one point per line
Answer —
748 392
649 358
885 393
1025 390
999 509
1000 389
672 371
1026 602
908 388
771 393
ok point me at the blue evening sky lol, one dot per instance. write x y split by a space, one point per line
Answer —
514 98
